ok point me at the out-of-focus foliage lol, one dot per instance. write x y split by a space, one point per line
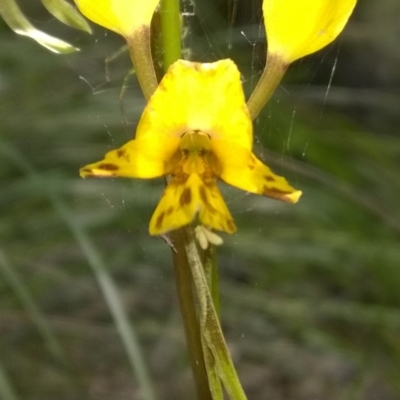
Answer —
63 11
310 293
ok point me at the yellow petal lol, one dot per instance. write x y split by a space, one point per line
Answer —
121 16
183 199
201 97
245 171
136 159
297 28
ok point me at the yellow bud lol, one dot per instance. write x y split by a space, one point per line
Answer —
121 16
296 28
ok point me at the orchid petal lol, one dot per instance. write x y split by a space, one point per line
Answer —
205 97
242 169
297 28
121 16
182 201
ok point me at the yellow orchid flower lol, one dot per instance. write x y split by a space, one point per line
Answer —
131 19
296 28
195 128
121 16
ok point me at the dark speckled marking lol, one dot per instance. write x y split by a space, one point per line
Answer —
269 178
252 163
170 210
186 197
109 167
204 197
160 219
273 192
203 194
121 152
231 225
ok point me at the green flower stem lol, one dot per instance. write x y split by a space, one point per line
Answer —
171 38
273 73
209 323
187 305
140 52
211 271
212 373
171 31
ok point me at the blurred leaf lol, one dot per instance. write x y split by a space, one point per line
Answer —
67 14
6 390
16 20
21 291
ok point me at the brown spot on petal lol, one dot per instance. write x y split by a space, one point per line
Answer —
108 167
170 210
269 178
186 197
204 197
203 194
276 193
252 162
231 225
121 152
160 219
275 190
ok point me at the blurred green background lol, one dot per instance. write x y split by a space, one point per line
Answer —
310 293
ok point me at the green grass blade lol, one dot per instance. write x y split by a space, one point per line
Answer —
6 390
107 285
13 279
17 21
67 14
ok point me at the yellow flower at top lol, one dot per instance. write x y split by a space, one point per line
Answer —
121 16
296 28
195 128
131 19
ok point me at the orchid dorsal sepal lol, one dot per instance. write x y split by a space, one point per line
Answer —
130 19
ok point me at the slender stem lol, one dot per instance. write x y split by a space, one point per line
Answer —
171 31
211 271
171 36
272 75
209 324
183 280
212 373
140 52
208 257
